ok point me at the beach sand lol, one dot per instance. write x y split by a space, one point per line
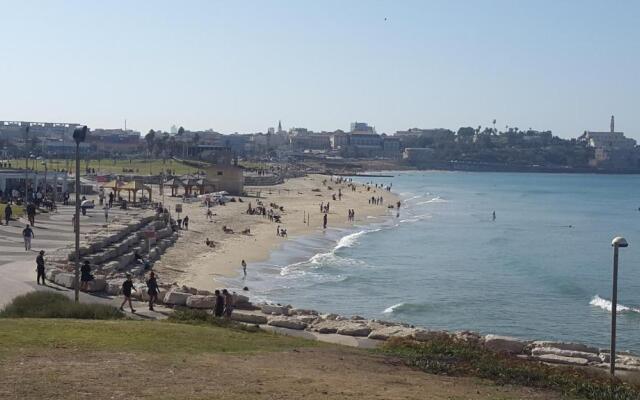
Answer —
191 262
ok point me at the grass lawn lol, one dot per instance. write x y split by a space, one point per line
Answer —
143 166
17 211
73 359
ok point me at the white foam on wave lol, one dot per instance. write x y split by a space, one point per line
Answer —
436 199
606 305
352 239
390 310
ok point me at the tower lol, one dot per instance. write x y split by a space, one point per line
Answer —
612 124
279 126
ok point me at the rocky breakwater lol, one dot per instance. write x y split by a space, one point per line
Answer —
111 253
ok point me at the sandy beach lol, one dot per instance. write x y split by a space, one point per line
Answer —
191 262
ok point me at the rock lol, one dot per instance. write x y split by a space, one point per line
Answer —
326 326
541 351
387 332
554 359
110 267
201 301
176 298
505 344
301 311
274 309
468 337
248 318
203 293
98 284
353 329
331 317
114 287
65 279
51 273
187 289
289 323
565 346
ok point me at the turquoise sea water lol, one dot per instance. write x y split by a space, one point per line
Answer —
541 270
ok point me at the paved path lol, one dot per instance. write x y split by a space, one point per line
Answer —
52 231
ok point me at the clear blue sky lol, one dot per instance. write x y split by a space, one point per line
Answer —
242 65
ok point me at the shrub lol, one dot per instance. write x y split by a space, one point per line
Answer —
191 316
451 357
41 304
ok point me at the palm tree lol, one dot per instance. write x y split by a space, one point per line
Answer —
150 138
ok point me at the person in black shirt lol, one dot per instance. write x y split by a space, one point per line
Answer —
218 308
85 276
126 291
152 290
40 267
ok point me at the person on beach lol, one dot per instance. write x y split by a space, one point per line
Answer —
324 222
27 235
106 213
31 213
40 267
185 222
494 215
111 196
152 290
244 269
209 214
7 213
85 276
228 303
126 291
218 308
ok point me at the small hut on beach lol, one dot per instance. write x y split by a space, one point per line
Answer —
134 187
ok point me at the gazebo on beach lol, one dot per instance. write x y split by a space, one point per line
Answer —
134 187
115 185
174 184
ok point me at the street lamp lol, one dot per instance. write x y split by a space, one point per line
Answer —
617 242
79 135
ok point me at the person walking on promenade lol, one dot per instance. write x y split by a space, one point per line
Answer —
31 213
185 222
111 196
106 213
324 222
27 235
8 212
152 290
244 269
228 303
126 291
218 308
85 276
40 267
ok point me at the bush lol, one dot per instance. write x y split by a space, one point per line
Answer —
451 357
42 304
191 316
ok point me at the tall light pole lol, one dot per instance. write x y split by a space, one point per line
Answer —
26 165
79 135
617 242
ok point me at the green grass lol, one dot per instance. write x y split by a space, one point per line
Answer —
55 305
143 166
17 211
448 357
25 335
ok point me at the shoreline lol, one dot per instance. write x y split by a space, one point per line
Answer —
190 262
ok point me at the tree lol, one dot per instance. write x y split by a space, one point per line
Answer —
150 138
180 131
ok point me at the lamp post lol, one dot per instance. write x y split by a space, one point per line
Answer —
44 163
26 165
617 242
79 135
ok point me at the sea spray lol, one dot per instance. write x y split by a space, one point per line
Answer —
605 304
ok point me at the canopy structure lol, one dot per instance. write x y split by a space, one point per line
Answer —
174 183
115 185
134 187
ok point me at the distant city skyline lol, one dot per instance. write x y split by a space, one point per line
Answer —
564 66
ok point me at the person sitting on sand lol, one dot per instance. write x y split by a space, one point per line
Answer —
218 308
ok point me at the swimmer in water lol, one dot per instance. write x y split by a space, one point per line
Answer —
494 215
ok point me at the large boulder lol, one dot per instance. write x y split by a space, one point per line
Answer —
289 323
386 332
540 351
423 335
98 284
505 344
114 287
555 359
176 298
274 309
248 318
565 346
51 273
201 301
65 279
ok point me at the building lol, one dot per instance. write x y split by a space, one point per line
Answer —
229 178
611 149
418 155
391 147
14 179
116 141
362 127
17 129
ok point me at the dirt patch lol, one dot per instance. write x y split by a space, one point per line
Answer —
326 373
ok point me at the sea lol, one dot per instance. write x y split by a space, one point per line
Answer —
541 270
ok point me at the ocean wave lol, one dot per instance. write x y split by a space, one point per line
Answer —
436 199
391 309
407 308
352 239
606 305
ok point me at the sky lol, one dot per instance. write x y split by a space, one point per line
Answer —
240 66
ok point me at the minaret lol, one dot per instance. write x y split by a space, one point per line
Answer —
279 126
612 124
